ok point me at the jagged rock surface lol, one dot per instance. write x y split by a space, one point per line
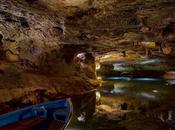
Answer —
34 61
39 40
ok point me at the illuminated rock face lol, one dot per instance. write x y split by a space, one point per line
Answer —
65 2
41 37
35 64
57 5
123 25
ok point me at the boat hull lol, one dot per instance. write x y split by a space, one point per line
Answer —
59 111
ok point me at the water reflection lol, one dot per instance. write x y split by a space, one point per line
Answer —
117 89
116 98
133 79
82 117
155 91
146 90
171 82
147 95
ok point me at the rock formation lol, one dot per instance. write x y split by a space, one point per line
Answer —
35 63
39 40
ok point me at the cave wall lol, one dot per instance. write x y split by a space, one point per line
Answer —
35 64
115 24
40 39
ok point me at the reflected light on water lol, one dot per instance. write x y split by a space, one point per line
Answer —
155 91
119 67
129 78
171 82
147 95
149 61
147 79
117 89
117 78
82 117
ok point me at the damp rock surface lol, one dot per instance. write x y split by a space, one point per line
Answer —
48 48
35 64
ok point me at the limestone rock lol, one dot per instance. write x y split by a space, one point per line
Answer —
11 57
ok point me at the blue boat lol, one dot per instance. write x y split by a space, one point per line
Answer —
53 115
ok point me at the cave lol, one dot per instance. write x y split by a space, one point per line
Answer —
87 64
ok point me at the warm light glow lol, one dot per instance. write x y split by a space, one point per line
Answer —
148 44
98 66
98 96
99 78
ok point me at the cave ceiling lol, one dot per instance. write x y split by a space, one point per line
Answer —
117 24
112 25
39 39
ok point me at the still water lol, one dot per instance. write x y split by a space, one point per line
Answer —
120 95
